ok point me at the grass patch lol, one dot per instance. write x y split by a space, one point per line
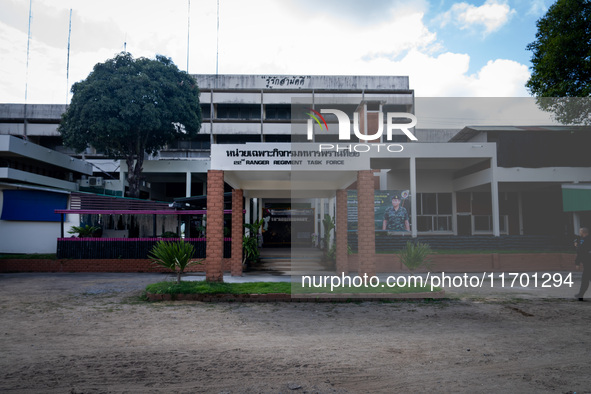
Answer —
211 288
203 287
40 256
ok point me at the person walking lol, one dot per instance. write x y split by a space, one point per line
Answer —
583 245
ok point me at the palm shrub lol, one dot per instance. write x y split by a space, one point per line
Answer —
84 231
250 242
329 224
414 256
175 255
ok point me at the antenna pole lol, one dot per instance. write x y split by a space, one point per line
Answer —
217 53
68 62
188 32
27 71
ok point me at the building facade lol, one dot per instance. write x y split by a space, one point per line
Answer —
255 141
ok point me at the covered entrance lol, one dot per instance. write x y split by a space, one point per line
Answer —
286 224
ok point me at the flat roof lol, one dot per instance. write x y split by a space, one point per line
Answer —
301 81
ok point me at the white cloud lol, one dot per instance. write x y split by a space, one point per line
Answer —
538 8
255 38
492 15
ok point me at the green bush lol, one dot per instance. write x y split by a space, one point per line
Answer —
176 256
414 256
84 231
250 242
169 234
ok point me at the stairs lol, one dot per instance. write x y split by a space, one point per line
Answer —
287 262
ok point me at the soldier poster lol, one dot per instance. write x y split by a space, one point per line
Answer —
392 209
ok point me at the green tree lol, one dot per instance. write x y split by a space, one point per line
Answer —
561 61
128 107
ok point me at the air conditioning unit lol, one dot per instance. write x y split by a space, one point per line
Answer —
95 181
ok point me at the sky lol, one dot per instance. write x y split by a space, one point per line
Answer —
446 48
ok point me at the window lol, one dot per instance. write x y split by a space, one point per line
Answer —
205 111
483 223
237 138
278 138
239 111
278 112
434 212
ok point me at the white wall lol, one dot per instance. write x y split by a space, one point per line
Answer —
398 180
434 181
28 237
32 237
428 181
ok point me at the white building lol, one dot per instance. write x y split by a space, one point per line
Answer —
478 181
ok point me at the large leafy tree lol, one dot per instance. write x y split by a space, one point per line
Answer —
561 61
130 107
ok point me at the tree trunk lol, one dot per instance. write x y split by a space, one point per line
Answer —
134 174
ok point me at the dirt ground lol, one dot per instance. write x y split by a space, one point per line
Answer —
91 333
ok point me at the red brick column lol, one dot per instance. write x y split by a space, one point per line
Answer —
237 232
215 226
366 233
342 256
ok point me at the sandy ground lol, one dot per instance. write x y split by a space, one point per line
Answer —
90 333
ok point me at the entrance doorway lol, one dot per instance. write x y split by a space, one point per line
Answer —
285 226
464 224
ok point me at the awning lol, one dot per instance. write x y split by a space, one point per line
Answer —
576 198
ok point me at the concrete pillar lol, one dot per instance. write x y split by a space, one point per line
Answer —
366 235
331 212
383 179
188 185
576 222
260 215
215 226
342 255
520 208
316 214
321 235
122 177
413 196
255 209
494 190
237 233
454 213
247 213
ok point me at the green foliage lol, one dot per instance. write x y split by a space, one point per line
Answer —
331 255
329 225
176 256
211 288
414 256
250 242
169 234
126 107
204 287
561 60
84 231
